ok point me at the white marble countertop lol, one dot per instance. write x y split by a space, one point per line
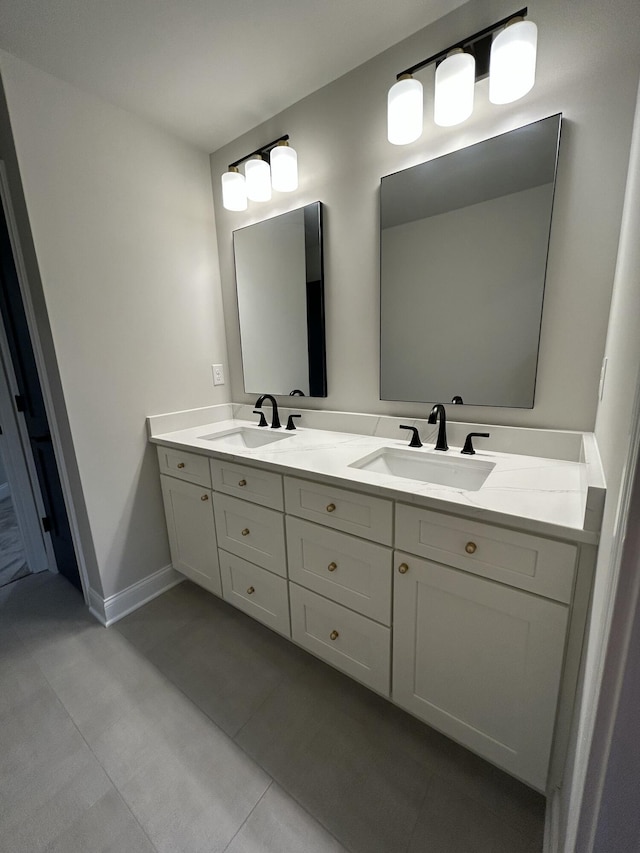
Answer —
533 493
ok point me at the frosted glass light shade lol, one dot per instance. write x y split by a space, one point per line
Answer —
512 69
455 84
258 179
284 168
234 192
404 111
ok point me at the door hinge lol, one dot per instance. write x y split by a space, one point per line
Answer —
19 402
46 524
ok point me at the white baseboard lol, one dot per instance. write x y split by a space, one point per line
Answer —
552 824
5 491
115 607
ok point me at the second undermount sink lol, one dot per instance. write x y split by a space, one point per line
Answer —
442 470
246 437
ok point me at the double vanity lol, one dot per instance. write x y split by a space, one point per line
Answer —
455 585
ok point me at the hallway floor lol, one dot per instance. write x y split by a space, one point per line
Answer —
189 727
13 563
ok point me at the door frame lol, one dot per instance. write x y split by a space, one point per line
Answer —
12 227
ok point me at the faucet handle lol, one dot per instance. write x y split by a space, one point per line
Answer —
415 437
468 444
290 423
263 420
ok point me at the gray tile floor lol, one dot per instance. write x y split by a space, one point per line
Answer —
188 727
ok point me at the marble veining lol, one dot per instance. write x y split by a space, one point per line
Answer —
539 494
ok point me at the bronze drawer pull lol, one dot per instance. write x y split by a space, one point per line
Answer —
180 465
334 635
332 567
204 498
403 568
250 591
471 547
331 507
245 532
242 483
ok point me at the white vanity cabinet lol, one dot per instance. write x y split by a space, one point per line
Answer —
475 628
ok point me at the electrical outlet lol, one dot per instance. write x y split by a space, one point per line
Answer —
218 374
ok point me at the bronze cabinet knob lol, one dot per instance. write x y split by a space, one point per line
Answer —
403 568
180 465
331 507
334 635
250 591
246 531
204 498
242 482
471 547
332 567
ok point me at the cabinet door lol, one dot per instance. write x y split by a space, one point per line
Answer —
192 532
479 661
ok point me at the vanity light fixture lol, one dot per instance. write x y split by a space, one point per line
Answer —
274 165
509 60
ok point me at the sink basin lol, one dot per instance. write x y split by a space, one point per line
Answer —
441 470
245 437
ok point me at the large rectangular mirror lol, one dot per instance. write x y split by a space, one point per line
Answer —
280 289
464 241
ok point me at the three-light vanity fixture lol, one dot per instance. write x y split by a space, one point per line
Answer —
273 166
509 60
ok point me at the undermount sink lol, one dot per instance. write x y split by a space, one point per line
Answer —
245 437
445 470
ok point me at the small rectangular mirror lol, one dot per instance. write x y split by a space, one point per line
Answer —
464 241
280 290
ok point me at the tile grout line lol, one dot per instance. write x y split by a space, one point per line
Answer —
260 799
419 812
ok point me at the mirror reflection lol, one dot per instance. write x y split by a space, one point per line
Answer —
464 241
280 290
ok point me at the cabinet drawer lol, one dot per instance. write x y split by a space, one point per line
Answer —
251 484
351 512
192 533
252 532
261 594
479 661
346 640
517 559
347 570
185 466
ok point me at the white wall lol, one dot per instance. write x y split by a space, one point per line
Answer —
614 425
588 65
123 228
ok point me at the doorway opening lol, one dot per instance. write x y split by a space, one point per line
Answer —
27 442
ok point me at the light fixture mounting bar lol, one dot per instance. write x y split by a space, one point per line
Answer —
264 149
465 43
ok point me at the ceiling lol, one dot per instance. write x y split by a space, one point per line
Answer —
207 70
